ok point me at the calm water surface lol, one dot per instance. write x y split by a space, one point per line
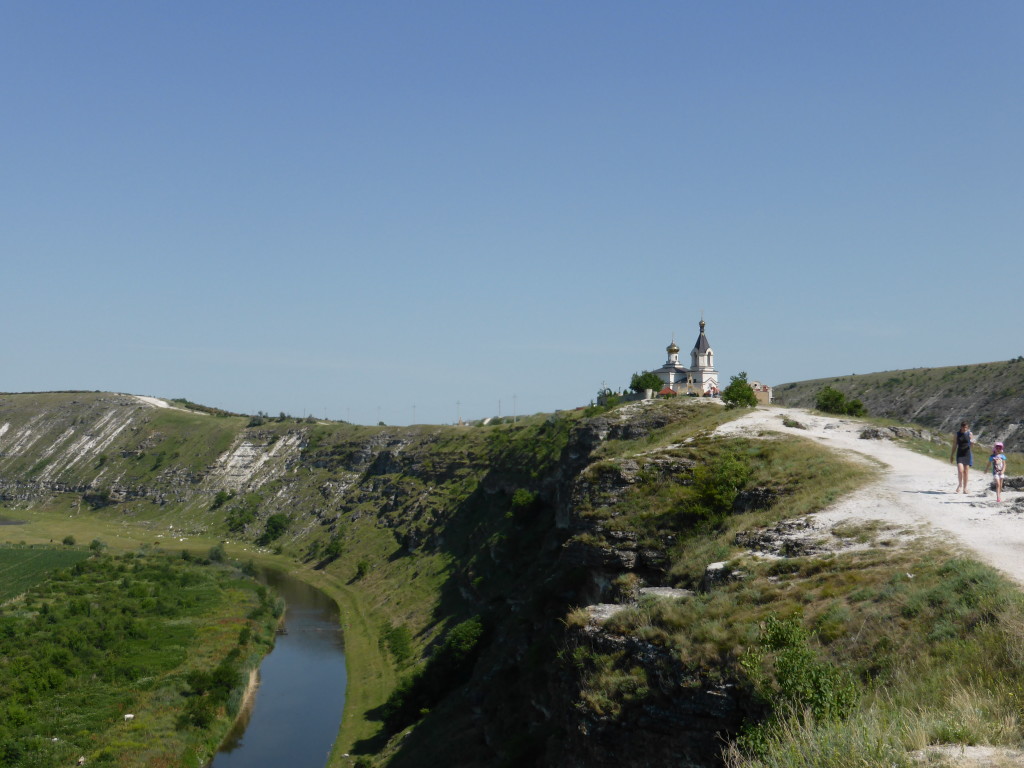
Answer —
297 711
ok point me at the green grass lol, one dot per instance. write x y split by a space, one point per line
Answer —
932 640
688 505
862 531
23 568
685 417
110 635
188 441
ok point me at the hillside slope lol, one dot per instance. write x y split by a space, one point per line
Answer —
577 589
988 395
508 525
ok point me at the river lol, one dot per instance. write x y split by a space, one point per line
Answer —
297 711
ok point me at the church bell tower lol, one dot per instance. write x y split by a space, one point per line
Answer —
702 363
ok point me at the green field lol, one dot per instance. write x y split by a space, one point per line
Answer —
22 568
89 637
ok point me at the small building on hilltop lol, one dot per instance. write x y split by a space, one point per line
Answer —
700 378
762 392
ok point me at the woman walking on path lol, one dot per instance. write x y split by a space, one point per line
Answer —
962 442
998 462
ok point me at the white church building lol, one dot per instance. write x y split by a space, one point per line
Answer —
701 378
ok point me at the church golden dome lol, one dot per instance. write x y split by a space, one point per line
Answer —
673 348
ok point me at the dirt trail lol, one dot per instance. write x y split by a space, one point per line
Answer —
912 490
156 402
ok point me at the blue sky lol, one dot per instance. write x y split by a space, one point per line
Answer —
375 211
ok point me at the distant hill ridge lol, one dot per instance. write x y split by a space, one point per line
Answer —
988 395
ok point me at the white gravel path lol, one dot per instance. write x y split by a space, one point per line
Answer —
156 402
912 490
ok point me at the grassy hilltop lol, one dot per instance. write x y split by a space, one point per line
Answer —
989 395
577 589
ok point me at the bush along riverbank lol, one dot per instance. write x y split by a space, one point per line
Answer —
129 659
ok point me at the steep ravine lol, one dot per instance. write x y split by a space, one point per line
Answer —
518 524
525 703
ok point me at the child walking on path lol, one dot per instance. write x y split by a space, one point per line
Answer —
998 462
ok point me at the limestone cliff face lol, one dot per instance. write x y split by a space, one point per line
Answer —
254 459
122 448
680 722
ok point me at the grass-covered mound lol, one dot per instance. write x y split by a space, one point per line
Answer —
896 651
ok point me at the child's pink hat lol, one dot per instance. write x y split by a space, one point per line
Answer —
999 445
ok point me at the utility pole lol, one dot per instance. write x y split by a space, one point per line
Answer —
458 411
514 405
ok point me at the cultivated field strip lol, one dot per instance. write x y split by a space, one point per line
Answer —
21 569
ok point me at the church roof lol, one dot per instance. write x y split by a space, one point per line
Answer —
702 344
677 367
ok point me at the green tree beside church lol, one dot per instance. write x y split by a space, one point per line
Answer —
645 380
739 393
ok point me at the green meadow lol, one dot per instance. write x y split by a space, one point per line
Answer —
87 638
